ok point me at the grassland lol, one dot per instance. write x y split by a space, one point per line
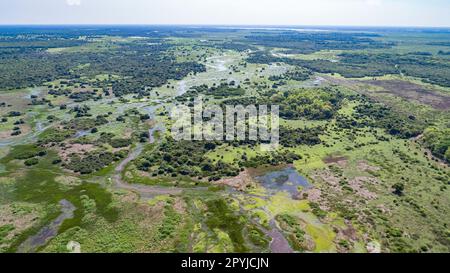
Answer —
376 184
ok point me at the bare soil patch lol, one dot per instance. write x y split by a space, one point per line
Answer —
358 185
239 182
315 195
22 217
341 161
25 129
69 181
78 149
413 92
365 167
328 177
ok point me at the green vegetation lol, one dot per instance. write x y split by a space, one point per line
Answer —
169 224
54 135
364 123
438 141
222 217
314 104
296 235
184 158
394 123
90 163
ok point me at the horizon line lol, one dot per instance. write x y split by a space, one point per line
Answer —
223 25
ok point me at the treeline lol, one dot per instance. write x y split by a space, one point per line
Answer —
296 75
430 69
293 137
224 90
139 64
306 43
358 65
235 46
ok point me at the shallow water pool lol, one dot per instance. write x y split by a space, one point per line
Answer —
288 180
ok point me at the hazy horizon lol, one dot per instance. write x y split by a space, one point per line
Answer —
320 13
320 27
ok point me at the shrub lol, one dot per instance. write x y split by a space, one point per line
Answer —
31 162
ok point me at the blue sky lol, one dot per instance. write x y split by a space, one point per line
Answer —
228 12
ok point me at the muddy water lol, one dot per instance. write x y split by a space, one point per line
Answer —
279 244
82 133
48 232
152 131
288 180
143 190
159 127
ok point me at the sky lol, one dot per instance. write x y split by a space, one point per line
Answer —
430 13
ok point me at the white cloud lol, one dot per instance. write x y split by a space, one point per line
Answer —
374 3
73 2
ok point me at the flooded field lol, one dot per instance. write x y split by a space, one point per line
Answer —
48 232
287 179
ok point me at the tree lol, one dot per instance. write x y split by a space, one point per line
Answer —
447 155
398 188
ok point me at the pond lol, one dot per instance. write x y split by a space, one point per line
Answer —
287 179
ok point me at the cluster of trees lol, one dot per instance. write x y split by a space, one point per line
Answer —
119 142
54 135
80 110
113 141
14 114
85 123
59 92
315 104
296 75
427 67
91 162
380 116
438 141
140 65
294 231
187 158
293 137
84 96
224 90
235 46
30 154
30 68
273 159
